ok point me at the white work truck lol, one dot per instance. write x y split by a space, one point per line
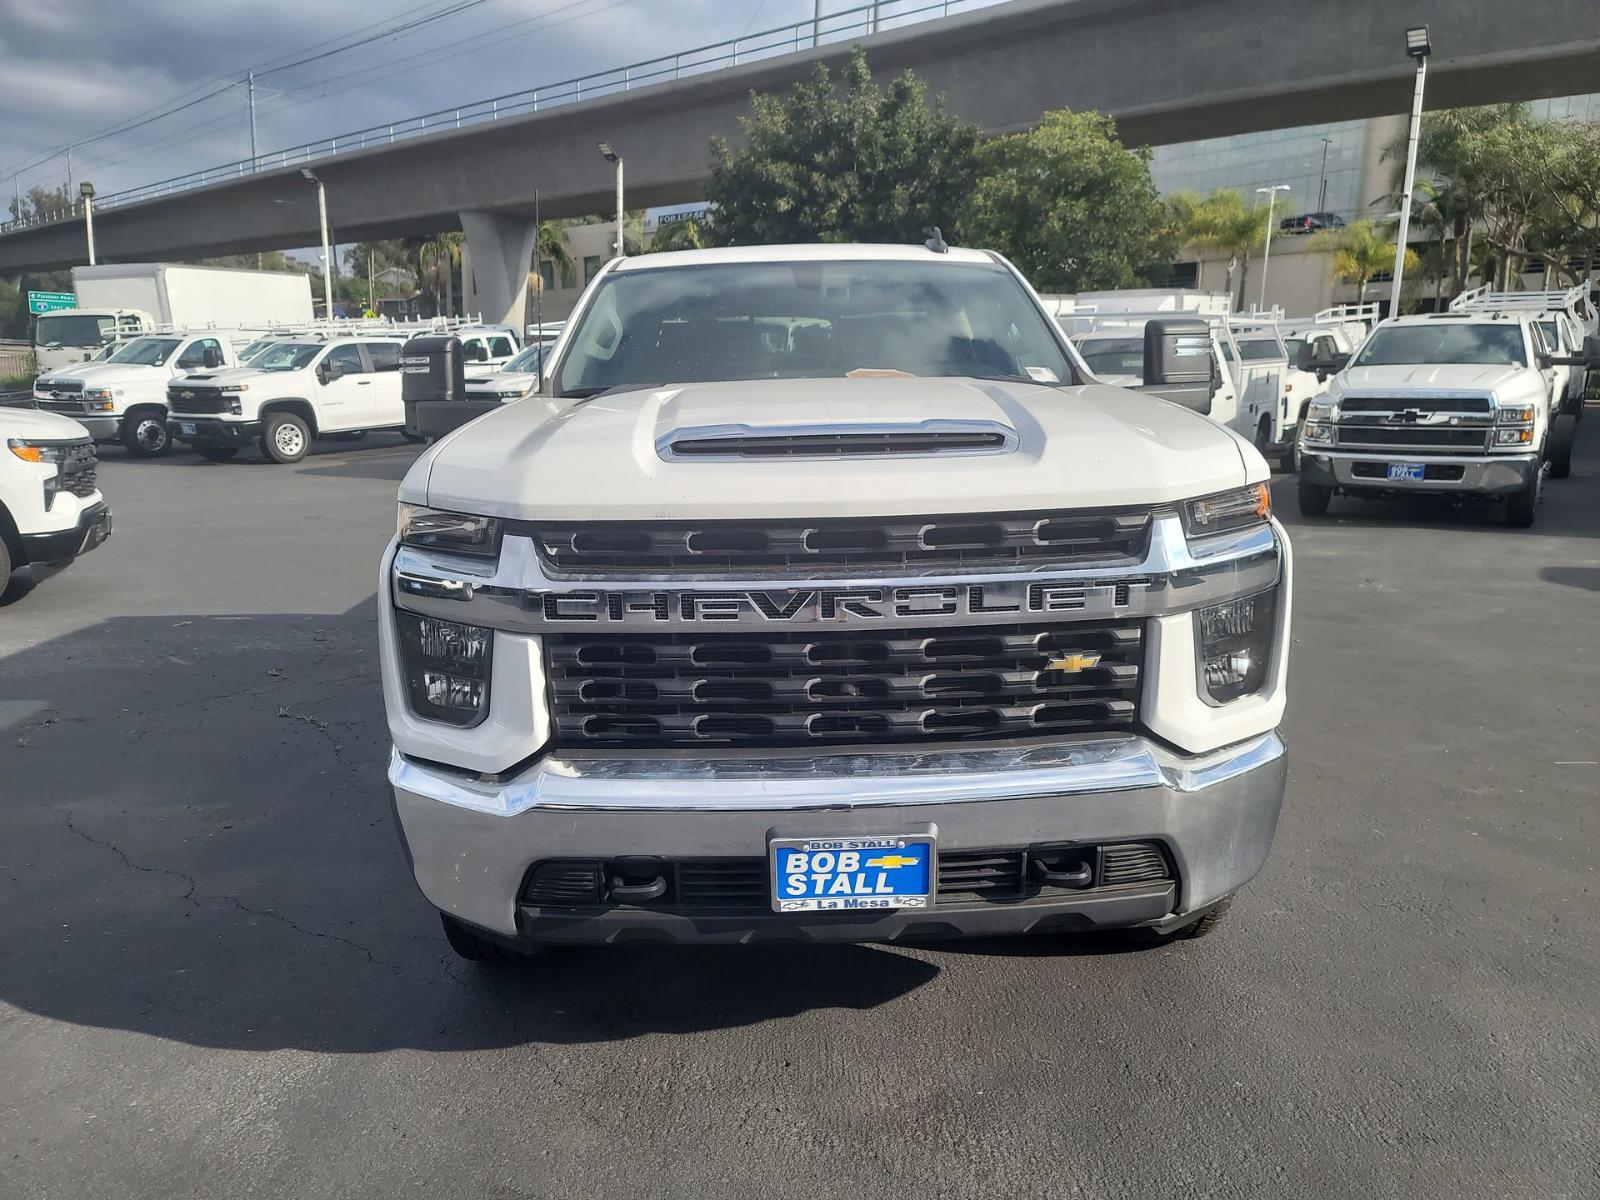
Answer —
823 593
51 510
1461 404
292 392
121 300
124 397
1566 318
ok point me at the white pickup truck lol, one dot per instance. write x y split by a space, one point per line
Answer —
1459 404
124 398
51 510
292 392
824 594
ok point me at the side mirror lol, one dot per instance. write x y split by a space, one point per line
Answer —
331 371
211 357
1178 363
1546 360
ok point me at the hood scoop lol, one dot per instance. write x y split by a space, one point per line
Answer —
844 440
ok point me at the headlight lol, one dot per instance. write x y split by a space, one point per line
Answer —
1519 415
103 394
447 668
1319 410
433 529
234 387
1319 432
37 452
1238 509
1513 437
514 395
1235 645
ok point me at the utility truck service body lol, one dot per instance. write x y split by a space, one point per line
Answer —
120 300
822 593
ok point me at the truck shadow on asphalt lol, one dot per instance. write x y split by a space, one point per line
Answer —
196 845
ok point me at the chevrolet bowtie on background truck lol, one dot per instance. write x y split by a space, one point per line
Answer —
124 398
819 595
1462 404
51 510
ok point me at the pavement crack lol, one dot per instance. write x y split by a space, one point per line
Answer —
188 880
321 727
301 929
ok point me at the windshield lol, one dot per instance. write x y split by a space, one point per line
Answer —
527 360
808 320
1114 356
75 329
145 352
1260 350
255 349
286 356
1443 343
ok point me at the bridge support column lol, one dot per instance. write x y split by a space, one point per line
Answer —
500 251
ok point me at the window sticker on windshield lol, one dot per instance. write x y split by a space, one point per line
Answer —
1042 375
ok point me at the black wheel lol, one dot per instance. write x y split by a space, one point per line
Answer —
1201 926
5 566
1314 499
1563 431
285 438
216 453
478 949
416 439
1523 505
354 435
144 433
1264 437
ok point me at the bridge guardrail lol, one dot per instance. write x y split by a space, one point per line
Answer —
769 43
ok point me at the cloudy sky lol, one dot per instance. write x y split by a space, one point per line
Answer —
95 72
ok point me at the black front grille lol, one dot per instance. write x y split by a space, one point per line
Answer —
1419 437
67 408
852 545
844 686
190 399
837 445
80 470
742 883
62 387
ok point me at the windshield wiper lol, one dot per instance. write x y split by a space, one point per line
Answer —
589 393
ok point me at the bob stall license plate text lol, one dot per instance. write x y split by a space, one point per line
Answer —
852 874
1416 471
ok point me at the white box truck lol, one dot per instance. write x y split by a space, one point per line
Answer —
120 300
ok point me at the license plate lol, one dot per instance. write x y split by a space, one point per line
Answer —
852 874
187 427
1406 471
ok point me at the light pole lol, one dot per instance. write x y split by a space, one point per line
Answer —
613 157
86 190
1271 194
1418 47
1322 190
327 249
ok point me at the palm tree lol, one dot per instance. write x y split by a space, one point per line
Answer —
679 235
1222 222
1360 251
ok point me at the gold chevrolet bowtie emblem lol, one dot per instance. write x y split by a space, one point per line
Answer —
893 860
1073 663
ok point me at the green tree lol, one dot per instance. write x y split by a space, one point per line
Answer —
1222 222
863 164
43 204
678 235
1068 204
1361 250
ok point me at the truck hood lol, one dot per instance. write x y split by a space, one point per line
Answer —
1463 377
107 374
32 423
221 375
610 457
503 381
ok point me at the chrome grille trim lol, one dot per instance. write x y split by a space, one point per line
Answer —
515 594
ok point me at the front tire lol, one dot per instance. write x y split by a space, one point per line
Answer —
285 438
1522 506
144 433
5 566
216 453
1314 499
477 949
1563 432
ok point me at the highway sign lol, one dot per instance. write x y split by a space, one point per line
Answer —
43 302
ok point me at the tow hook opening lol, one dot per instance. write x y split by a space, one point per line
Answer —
1063 866
637 879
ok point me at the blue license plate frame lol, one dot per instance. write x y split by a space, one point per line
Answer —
903 872
1405 472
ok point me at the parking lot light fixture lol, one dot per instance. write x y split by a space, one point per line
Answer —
1271 193
1418 47
310 176
611 156
86 190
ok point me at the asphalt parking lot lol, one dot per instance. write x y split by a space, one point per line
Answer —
217 979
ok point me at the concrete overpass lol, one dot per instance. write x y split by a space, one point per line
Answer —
1168 70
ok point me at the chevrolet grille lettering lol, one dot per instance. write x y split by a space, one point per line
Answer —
1071 664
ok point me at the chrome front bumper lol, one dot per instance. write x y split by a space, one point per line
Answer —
1490 475
470 843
